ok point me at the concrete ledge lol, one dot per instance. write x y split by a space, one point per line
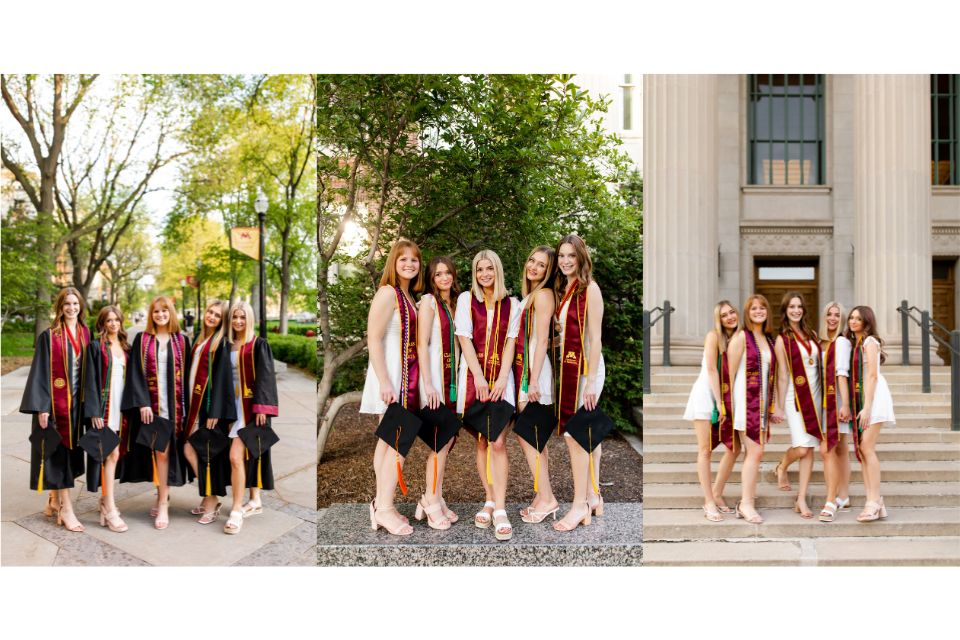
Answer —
344 538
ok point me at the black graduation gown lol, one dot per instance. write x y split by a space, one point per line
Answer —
218 402
96 362
60 469
264 393
138 463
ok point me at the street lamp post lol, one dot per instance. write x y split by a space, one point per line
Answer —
183 298
199 267
260 206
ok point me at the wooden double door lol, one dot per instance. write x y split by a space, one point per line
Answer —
774 277
944 300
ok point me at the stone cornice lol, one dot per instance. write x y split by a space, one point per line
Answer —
769 229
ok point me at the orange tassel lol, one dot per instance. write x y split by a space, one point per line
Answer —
156 476
403 485
435 460
103 480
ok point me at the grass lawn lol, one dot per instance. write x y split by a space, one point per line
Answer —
16 344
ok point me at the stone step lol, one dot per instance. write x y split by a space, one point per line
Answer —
679 399
892 471
913 451
895 494
820 551
909 409
896 388
689 524
936 420
344 538
887 435
889 372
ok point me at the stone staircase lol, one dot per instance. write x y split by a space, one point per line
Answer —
920 460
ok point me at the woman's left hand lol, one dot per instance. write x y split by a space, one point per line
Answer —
590 396
499 388
211 423
533 392
98 423
261 419
863 418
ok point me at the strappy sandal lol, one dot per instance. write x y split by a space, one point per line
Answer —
536 517
712 516
450 515
756 518
198 510
234 523
252 508
77 527
376 524
843 504
155 510
482 519
52 508
785 486
828 513
807 515
502 530
596 508
208 517
434 512
872 511
111 519
722 508
585 520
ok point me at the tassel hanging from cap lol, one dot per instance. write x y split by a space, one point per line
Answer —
40 480
593 472
435 466
103 480
489 446
156 476
403 485
536 473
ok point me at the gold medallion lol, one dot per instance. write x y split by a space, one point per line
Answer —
59 383
800 381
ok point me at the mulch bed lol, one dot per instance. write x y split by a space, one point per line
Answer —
12 363
346 472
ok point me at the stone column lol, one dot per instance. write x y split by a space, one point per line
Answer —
892 260
680 207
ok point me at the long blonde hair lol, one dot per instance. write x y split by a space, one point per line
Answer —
526 288
722 338
249 333
824 332
216 334
499 287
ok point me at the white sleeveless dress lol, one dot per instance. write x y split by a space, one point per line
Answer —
435 349
842 360
601 370
798 432
371 402
701 402
740 390
882 409
464 327
117 377
545 381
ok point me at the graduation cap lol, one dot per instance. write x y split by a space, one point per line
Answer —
589 428
535 424
99 443
156 436
208 443
489 419
440 425
44 442
399 428
258 441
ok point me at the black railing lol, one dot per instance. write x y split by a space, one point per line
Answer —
648 321
952 345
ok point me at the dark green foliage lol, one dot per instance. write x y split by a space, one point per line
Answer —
296 350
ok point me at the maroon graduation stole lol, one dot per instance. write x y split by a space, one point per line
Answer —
717 433
573 360
204 359
106 360
61 390
148 360
802 393
493 343
754 368
828 373
521 363
856 394
449 350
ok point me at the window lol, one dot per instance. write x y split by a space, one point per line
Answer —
786 130
944 123
627 89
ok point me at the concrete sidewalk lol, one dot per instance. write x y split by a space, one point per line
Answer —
285 534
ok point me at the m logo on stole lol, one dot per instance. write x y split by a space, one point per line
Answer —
571 356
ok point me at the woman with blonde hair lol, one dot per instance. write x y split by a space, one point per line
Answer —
836 352
255 393
487 325
61 391
532 372
157 386
392 371
710 408
212 405
109 356
753 363
580 370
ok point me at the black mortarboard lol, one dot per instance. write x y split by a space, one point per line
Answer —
156 435
535 424
208 443
439 426
258 440
489 419
399 428
44 441
98 443
589 428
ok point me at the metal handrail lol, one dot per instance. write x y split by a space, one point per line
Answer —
953 347
648 323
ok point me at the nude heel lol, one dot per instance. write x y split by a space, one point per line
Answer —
883 508
373 517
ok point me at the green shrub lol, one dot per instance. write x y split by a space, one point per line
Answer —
297 350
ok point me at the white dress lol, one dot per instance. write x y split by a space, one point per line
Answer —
371 402
798 431
237 393
601 370
464 325
117 371
882 409
740 389
162 398
842 360
701 402
545 381
435 350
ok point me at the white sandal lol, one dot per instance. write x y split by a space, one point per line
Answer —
843 504
252 508
502 530
234 523
483 519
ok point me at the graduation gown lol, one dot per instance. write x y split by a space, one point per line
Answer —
66 463
102 384
218 402
261 397
138 462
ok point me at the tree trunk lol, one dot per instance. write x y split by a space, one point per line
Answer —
327 422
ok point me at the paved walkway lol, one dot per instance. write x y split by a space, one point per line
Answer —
285 534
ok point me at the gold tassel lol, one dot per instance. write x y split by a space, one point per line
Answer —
489 471
156 477
593 472
536 476
259 476
40 481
